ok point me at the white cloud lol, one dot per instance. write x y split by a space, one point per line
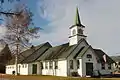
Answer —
101 18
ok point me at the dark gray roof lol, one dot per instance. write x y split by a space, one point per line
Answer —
55 52
60 52
100 54
37 53
28 55
47 52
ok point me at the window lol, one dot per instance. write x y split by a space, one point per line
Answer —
56 64
46 65
109 66
103 65
118 63
89 56
50 65
78 64
71 64
41 65
74 32
34 68
25 65
19 66
119 68
80 31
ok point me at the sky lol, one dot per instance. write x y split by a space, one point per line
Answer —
100 17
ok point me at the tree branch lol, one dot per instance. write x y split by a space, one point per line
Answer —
9 13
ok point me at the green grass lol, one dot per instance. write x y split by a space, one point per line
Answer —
34 77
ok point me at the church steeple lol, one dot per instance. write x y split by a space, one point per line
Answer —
76 30
77 18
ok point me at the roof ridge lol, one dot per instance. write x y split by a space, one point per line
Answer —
61 45
75 47
57 51
41 54
33 52
61 50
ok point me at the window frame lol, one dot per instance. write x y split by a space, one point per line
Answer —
46 64
25 66
22 65
103 66
71 64
109 66
74 32
41 65
78 64
56 65
89 56
50 65
80 31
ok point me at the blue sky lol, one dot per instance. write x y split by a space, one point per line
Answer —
101 18
33 5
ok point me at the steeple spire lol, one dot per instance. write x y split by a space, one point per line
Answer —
77 19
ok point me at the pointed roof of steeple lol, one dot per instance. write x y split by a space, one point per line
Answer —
77 20
77 17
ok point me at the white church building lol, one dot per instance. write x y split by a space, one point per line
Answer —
75 58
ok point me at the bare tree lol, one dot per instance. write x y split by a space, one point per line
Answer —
20 30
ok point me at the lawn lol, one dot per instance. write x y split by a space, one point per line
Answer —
11 77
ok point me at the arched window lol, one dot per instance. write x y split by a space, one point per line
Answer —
74 32
80 31
89 56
